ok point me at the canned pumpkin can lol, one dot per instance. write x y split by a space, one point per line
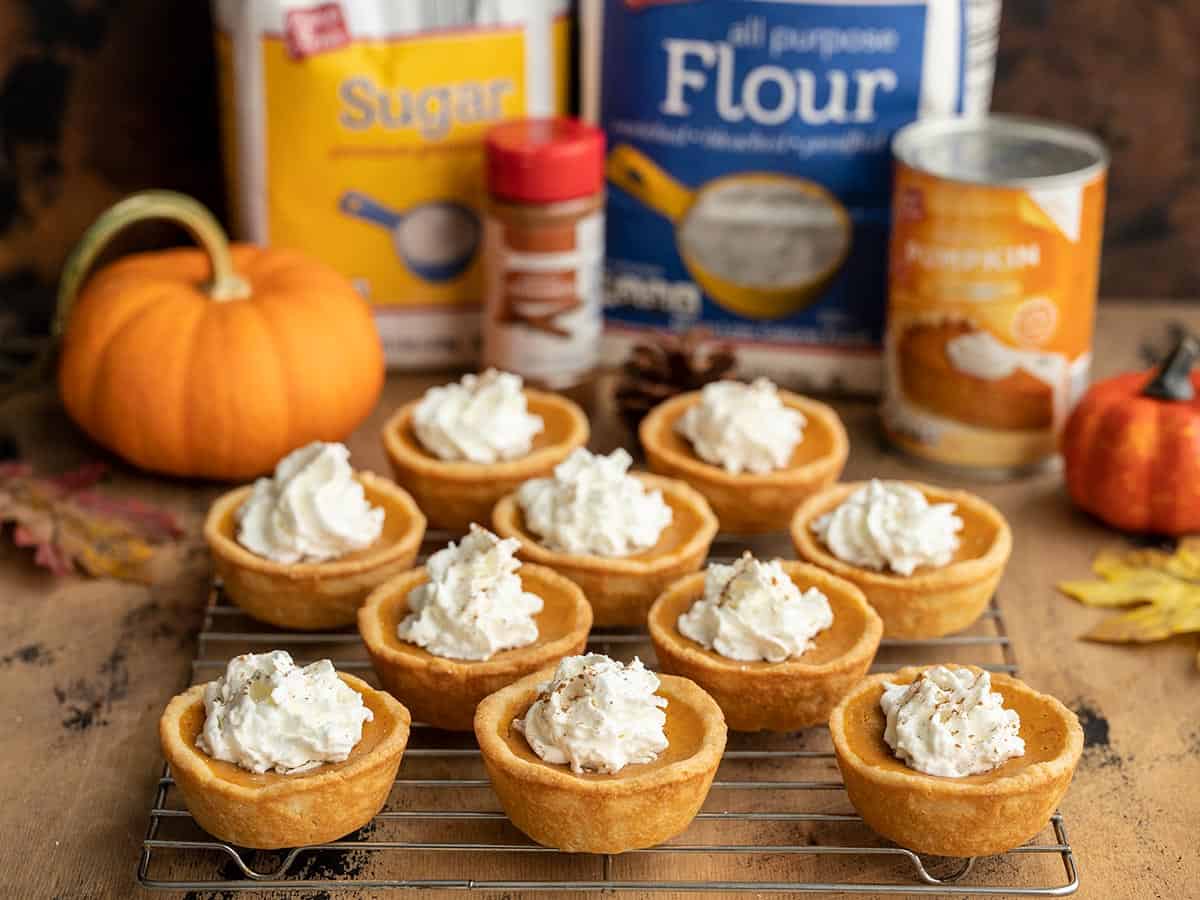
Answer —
993 269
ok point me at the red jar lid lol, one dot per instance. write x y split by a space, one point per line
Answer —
544 160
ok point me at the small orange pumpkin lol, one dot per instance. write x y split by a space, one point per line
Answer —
1131 448
211 362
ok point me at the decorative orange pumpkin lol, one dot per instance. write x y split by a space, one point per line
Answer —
211 362
1131 448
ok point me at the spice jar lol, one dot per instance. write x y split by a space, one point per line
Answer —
544 250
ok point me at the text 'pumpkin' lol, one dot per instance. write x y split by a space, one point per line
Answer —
211 362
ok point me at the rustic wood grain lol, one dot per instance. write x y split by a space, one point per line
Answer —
87 666
1127 72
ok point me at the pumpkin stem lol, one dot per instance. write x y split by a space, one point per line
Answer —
1173 380
225 284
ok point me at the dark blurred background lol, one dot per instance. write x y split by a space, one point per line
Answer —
101 97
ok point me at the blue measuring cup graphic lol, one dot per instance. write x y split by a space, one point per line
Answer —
436 241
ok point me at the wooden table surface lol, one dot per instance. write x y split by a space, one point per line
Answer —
88 665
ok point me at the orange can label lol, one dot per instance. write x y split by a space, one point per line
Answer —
991 306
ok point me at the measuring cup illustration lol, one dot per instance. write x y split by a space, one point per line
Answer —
820 225
436 241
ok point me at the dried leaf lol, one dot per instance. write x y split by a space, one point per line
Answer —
1163 588
72 527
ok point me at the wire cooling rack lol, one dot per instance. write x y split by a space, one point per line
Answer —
777 818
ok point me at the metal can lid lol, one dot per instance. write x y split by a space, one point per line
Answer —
1005 151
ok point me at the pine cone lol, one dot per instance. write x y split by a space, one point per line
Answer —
666 365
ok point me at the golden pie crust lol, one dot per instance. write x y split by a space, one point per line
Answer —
931 602
444 692
747 503
270 810
317 595
764 696
454 493
621 589
640 806
1018 402
977 815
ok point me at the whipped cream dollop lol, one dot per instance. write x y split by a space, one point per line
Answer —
312 509
950 722
982 355
597 715
267 713
742 427
752 610
592 505
890 525
480 419
473 605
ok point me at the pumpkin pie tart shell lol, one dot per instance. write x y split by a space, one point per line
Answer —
765 696
455 493
444 692
640 806
747 503
621 589
270 810
316 595
931 602
977 815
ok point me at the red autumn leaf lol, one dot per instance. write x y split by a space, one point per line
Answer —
46 554
14 470
152 523
78 479
74 528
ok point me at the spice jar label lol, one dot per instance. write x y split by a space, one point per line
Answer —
543 297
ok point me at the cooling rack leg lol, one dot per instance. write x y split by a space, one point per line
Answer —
964 868
1068 856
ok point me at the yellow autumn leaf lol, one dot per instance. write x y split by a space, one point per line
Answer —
1163 589
106 549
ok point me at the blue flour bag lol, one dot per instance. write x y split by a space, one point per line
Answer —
750 166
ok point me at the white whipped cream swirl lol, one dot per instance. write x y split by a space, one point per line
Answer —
597 715
473 605
982 355
312 510
950 722
742 427
265 713
889 524
481 419
593 506
752 611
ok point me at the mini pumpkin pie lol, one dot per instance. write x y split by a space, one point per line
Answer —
1020 763
928 562
309 756
622 537
753 451
589 777
303 549
463 446
775 644
958 371
469 622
